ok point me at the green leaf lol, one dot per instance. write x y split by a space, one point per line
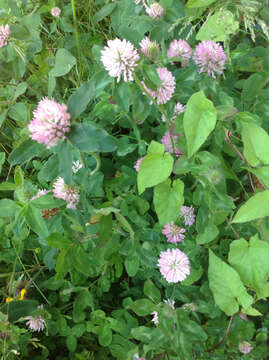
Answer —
255 208
256 144
225 112
7 186
58 241
79 100
252 87
47 201
218 27
50 169
250 259
2 160
125 147
155 167
142 307
18 112
78 330
152 76
19 32
8 208
142 333
105 335
168 200
83 300
199 120
209 234
20 89
25 152
251 311
194 276
18 176
34 220
89 138
17 309
122 95
166 4
226 286
71 343
64 62
152 292
190 328
82 261
132 264
65 154
103 12
199 3
63 263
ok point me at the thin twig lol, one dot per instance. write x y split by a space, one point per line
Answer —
228 134
224 337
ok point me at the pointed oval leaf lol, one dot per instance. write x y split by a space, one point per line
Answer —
64 62
226 286
155 168
25 152
255 208
168 200
256 144
250 259
89 138
199 120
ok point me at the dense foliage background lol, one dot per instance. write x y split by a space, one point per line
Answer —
80 278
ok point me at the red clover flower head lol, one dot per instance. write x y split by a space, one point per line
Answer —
68 193
174 265
56 12
245 347
180 48
178 109
50 123
40 193
4 35
35 323
210 58
149 48
167 88
120 58
168 146
188 213
155 10
138 163
173 233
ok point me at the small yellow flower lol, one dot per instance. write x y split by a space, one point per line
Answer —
23 294
8 299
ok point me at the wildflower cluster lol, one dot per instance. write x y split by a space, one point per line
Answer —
174 265
50 123
120 58
68 193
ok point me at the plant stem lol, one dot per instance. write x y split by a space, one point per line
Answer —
225 335
77 39
29 276
138 82
159 107
98 162
229 140
134 126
